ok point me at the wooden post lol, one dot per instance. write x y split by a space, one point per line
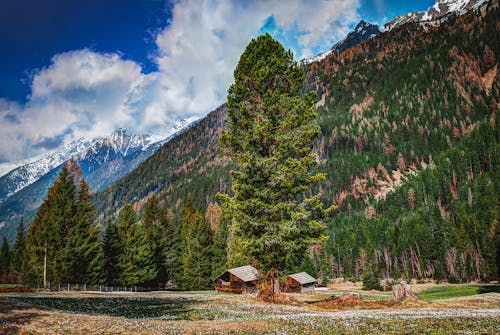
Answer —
45 267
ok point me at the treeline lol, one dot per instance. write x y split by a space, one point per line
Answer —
154 250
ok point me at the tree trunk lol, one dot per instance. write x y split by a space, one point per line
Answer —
403 290
275 284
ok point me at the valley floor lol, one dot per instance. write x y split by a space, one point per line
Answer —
208 313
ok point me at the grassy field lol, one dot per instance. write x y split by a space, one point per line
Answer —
459 310
454 291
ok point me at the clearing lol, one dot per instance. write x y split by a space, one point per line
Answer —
445 309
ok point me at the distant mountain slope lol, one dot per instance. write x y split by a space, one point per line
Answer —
103 161
28 173
187 163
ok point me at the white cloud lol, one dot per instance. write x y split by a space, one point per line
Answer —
199 50
82 93
85 93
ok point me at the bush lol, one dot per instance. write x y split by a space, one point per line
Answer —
371 281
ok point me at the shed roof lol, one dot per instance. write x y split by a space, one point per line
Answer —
303 278
246 273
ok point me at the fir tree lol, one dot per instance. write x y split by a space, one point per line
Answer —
19 250
172 250
84 258
135 261
219 257
270 129
5 261
195 249
156 226
111 246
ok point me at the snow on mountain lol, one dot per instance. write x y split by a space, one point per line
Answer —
32 169
361 32
90 155
441 11
434 16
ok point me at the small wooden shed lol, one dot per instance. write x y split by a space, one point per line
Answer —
241 280
301 282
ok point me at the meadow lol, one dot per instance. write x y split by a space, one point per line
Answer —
443 309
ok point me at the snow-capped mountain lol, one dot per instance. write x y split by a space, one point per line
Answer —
32 169
435 15
361 32
120 143
103 161
441 11
90 154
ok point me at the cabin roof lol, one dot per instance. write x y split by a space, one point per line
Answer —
303 278
246 273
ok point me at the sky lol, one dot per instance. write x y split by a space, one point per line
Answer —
82 68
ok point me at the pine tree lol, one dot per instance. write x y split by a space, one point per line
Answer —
5 261
156 226
111 246
46 239
219 257
62 245
84 258
19 250
172 250
195 249
270 129
135 262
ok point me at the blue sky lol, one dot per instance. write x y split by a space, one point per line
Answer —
73 68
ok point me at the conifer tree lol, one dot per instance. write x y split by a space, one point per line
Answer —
219 257
46 239
195 248
111 246
156 226
62 244
172 250
84 258
5 261
19 250
135 261
270 129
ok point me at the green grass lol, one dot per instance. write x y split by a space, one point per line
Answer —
10 285
447 292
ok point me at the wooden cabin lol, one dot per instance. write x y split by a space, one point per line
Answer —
300 282
241 280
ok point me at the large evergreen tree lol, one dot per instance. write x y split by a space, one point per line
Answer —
271 126
62 244
84 258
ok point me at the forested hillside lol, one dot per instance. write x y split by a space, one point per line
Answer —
190 163
409 145
410 149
